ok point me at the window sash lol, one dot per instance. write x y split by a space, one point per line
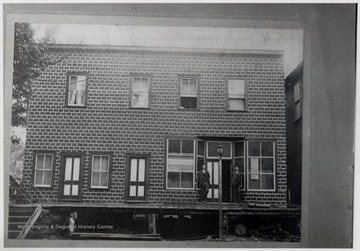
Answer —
43 170
77 90
236 94
188 87
140 92
99 173
181 164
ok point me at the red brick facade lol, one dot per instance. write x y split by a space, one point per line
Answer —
107 124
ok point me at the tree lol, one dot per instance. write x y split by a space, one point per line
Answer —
30 60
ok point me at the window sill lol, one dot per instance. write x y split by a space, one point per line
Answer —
136 201
76 106
139 108
188 109
241 111
100 188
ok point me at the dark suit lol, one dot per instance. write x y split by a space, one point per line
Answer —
236 183
203 182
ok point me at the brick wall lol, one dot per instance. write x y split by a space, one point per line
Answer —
107 124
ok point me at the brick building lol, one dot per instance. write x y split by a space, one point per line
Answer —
115 125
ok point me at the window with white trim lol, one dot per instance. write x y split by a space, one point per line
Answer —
100 170
140 91
188 93
261 166
239 158
43 170
180 164
236 94
76 89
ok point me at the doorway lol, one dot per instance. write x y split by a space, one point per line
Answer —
213 168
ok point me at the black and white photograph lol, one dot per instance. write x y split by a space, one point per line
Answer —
197 125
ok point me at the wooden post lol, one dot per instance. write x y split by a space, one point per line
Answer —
152 223
220 199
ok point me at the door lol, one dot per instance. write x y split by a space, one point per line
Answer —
213 168
71 177
136 188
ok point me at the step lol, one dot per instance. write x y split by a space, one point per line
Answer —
18 214
18 218
13 234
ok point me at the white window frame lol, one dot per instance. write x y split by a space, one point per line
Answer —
193 155
260 167
100 171
245 165
222 142
70 91
230 96
43 169
134 92
189 94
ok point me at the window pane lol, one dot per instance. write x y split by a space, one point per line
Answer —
96 163
237 104
212 149
141 191
144 85
239 162
267 181
267 165
95 181
136 85
38 177
201 161
141 170
68 168
140 100
187 180
76 169
216 193
132 190
187 146
40 161
47 178
104 179
133 170
236 86
105 163
185 88
254 165
254 181
193 86
188 102
267 149
216 173
239 149
226 149
181 164
67 189
254 148
75 190
201 148
81 83
174 180
48 162
297 94
174 146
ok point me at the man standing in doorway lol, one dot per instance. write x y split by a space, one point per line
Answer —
203 182
236 183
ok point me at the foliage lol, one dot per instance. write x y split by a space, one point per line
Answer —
16 159
29 61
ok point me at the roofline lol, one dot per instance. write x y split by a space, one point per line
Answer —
164 49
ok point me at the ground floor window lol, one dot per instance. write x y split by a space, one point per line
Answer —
137 177
44 163
100 170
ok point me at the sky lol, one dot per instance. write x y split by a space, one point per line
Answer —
291 41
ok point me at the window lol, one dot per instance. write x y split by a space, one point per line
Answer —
236 95
261 166
43 170
140 92
76 89
100 171
189 93
212 149
297 101
180 164
239 158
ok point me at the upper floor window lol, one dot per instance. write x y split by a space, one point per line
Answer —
76 89
189 98
43 169
236 95
100 171
297 101
140 90
180 164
